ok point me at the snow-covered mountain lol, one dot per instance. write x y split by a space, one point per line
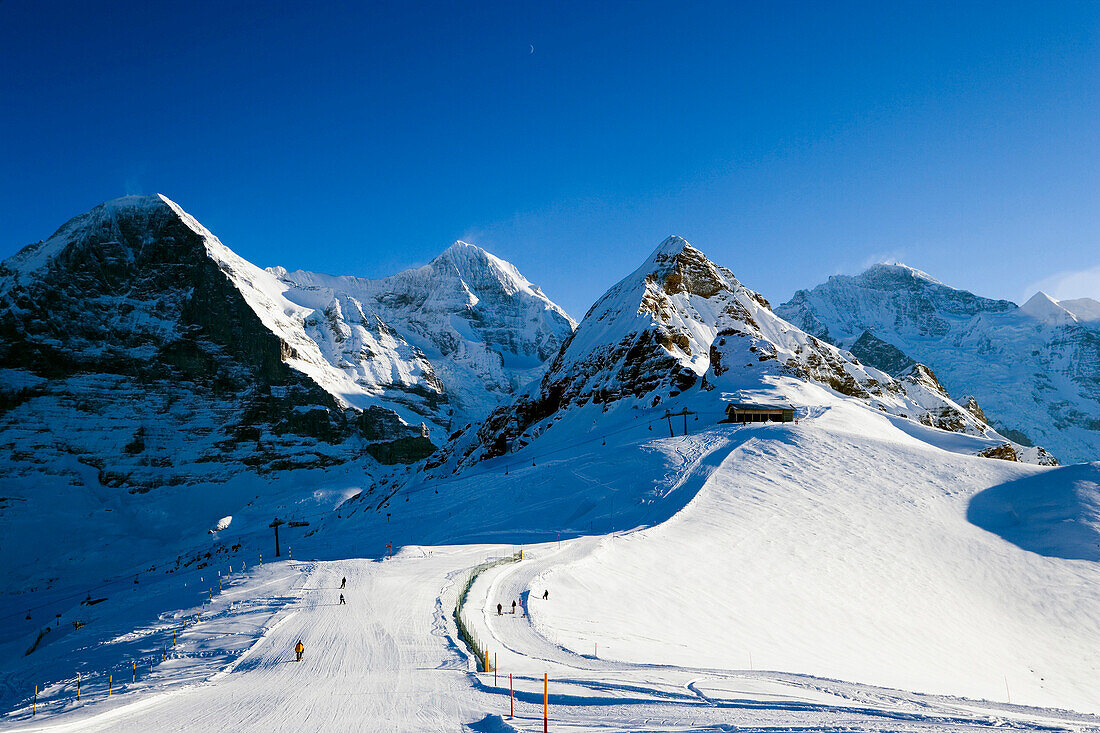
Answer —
139 354
454 336
684 329
1035 369
137 303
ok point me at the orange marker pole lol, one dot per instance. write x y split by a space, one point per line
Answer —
494 669
110 683
34 705
77 685
545 702
511 697
485 666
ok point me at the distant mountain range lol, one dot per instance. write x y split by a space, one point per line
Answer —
138 351
682 331
1035 369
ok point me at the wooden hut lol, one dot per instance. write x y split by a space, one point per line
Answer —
744 412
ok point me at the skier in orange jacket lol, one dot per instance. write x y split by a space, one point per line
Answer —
299 648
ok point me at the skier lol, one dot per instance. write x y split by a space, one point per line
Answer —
299 649
499 609
546 595
343 583
513 608
342 601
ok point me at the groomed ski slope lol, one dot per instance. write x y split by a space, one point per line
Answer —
819 552
388 661
836 552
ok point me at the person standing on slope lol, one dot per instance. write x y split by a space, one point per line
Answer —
513 608
299 649
499 609
546 595
343 583
342 601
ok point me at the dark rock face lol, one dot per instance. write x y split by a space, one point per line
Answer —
131 332
875 352
971 405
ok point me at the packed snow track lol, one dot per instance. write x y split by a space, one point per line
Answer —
389 660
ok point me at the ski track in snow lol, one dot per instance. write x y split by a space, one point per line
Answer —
390 660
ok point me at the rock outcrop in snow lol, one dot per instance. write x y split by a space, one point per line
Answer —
1035 369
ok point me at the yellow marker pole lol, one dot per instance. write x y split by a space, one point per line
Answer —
133 677
77 685
485 665
150 663
110 683
34 705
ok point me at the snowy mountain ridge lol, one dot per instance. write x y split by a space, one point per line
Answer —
681 329
469 323
1035 368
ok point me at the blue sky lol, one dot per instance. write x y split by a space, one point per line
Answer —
789 141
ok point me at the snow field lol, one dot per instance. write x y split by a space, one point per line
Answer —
389 660
819 554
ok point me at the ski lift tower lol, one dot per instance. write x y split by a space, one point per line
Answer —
276 524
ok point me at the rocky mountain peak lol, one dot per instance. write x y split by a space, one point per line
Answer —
111 228
896 272
679 268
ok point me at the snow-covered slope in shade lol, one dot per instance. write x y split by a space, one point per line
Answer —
681 324
1035 370
471 327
